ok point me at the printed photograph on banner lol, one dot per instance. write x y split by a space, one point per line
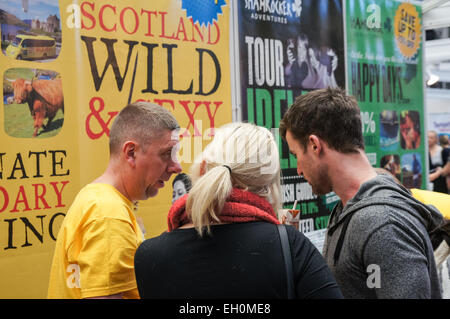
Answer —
411 170
181 185
309 66
391 163
410 130
30 30
299 48
33 103
389 130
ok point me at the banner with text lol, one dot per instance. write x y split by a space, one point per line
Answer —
288 48
68 68
384 50
440 123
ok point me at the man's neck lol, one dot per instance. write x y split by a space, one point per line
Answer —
348 173
113 176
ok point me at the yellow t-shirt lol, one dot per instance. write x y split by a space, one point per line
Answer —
439 200
94 253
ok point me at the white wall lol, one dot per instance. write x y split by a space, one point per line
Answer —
437 101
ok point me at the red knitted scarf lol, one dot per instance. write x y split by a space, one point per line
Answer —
240 206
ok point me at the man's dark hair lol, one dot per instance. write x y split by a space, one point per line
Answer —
330 114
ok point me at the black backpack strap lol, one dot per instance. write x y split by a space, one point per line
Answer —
341 238
287 260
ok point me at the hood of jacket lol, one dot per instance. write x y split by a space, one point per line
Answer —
384 190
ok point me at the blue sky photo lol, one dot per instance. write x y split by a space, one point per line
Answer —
39 9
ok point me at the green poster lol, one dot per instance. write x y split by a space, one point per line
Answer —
384 67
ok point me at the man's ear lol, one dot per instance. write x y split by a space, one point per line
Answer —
129 151
316 144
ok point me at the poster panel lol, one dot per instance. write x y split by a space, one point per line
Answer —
440 123
384 51
67 69
287 48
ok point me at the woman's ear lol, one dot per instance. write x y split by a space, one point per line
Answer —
202 168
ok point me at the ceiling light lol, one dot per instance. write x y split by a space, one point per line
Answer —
432 78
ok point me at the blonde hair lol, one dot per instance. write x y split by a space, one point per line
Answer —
241 155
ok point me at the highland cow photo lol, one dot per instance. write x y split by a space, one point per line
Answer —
33 102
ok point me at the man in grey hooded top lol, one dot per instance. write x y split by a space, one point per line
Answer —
377 243
382 233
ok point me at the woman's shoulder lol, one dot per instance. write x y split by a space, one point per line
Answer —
152 243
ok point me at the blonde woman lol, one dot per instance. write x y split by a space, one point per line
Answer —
222 239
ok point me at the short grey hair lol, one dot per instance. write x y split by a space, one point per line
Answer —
142 122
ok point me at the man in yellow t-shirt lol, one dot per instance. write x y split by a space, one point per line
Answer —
94 253
440 200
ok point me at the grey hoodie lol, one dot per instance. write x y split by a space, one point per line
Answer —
378 246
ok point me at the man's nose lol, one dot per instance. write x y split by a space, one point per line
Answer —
174 167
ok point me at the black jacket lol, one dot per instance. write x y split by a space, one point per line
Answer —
242 260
